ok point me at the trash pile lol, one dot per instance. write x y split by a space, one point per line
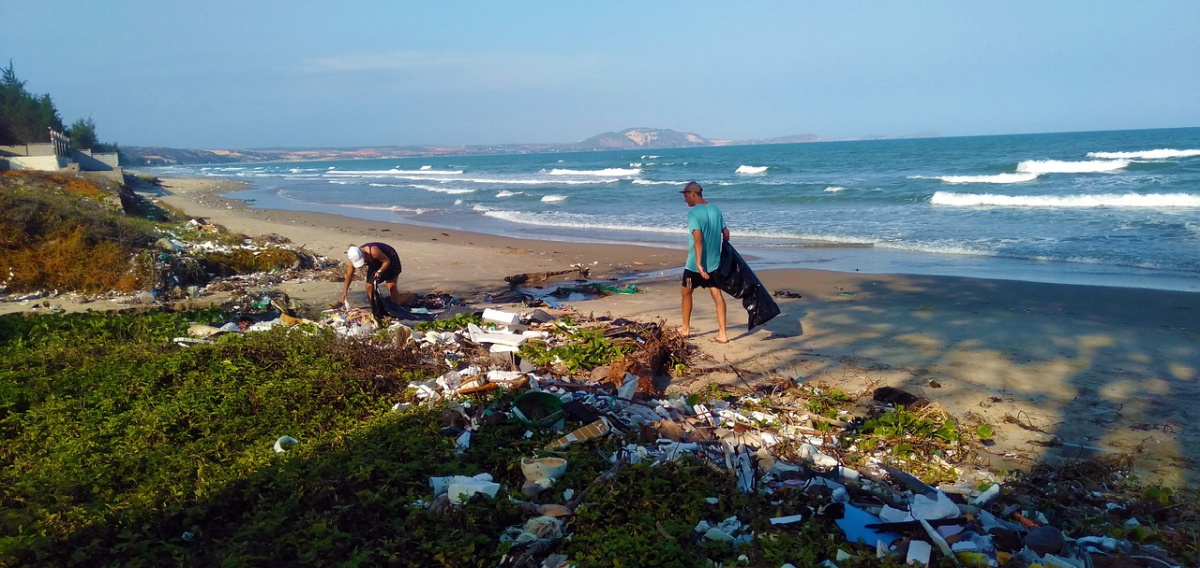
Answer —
602 384
199 258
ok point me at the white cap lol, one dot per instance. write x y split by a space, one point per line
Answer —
356 257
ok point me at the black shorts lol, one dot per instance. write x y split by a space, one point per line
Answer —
391 274
694 280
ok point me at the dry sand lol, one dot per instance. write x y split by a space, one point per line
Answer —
1105 368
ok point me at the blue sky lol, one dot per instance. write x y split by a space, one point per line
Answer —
224 74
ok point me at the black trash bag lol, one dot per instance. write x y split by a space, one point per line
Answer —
382 307
735 278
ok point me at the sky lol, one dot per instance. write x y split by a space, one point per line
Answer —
239 75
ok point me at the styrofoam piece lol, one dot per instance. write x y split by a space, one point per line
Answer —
918 553
504 318
479 336
543 468
462 442
815 457
939 507
460 492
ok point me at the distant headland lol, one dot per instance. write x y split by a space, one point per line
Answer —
628 139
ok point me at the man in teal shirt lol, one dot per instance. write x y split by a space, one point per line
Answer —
707 228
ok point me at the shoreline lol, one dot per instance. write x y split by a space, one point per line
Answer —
847 257
1048 366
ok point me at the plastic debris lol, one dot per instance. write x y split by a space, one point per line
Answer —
285 443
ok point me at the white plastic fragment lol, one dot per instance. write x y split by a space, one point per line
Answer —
986 497
462 491
628 387
787 520
940 507
504 318
284 443
462 443
918 553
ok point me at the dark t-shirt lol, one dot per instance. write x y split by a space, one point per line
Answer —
374 265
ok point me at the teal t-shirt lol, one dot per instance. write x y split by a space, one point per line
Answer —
709 220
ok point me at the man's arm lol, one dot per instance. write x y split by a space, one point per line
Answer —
349 278
698 244
725 233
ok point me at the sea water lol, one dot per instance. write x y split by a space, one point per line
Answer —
1117 208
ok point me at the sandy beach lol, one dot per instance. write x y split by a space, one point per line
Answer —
1099 369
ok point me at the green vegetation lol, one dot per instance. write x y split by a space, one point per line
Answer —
26 118
589 349
459 321
120 448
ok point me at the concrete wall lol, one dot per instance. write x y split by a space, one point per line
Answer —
40 149
45 163
90 162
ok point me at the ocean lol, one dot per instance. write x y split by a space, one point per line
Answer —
1119 208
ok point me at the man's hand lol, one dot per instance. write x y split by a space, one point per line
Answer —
703 273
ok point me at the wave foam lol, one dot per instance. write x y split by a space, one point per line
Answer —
553 198
605 172
395 208
1061 167
834 189
1128 200
640 181
1160 154
391 172
447 190
998 178
507 193
750 170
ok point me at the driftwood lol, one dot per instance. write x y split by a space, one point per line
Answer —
534 277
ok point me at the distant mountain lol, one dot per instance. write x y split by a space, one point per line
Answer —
628 139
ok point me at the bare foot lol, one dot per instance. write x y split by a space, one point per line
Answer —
682 331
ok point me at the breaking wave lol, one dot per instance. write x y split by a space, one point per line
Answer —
605 172
1128 200
997 178
750 170
1061 167
1160 154
553 198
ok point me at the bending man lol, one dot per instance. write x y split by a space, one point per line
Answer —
383 265
707 230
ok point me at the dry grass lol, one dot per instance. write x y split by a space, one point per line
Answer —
59 233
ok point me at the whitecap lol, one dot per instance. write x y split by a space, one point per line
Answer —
1128 200
507 193
553 198
749 170
1160 154
604 172
1061 167
834 189
446 190
997 178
